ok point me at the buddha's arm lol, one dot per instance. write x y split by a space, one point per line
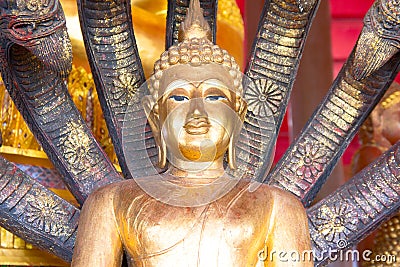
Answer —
98 242
288 240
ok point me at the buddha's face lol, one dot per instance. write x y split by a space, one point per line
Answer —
391 124
198 112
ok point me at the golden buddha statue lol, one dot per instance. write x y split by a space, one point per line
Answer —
19 144
380 131
194 213
195 110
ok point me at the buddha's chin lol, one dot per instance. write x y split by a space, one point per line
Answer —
197 147
203 151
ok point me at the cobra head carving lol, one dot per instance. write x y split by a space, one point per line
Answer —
38 26
36 58
380 38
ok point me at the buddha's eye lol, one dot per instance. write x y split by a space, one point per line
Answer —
215 98
179 98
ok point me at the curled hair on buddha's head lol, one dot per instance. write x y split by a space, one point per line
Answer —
195 48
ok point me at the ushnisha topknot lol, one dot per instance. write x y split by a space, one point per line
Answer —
194 25
195 48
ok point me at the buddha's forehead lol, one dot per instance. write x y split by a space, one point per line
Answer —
213 73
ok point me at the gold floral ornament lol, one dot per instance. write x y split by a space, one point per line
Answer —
263 98
336 221
310 157
47 213
82 89
125 81
32 5
78 148
20 146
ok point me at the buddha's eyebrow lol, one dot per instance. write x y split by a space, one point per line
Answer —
215 82
177 84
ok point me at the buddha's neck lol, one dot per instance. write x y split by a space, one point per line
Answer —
196 170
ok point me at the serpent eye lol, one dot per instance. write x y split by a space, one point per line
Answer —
212 98
48 22
24 28
179 98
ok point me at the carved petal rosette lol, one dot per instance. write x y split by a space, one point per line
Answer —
115 63
273 66
346 216
263 98
36 214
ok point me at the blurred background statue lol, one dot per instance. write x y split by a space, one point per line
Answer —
379 132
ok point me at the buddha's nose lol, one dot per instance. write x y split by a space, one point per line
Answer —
196 109
197 118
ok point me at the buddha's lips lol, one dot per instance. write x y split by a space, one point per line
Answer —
197 126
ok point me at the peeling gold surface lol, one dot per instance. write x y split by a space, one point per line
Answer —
20 146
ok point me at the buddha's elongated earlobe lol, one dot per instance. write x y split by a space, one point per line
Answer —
162 152
232 154
150 107
241 110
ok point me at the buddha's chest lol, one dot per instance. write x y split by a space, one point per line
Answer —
207 236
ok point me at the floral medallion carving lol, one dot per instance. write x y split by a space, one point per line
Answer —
336 221
78 148
125 84
46 213
263 97
309 159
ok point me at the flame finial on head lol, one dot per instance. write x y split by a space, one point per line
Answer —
195 48
194 25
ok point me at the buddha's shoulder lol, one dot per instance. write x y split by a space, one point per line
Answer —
117 190
273 195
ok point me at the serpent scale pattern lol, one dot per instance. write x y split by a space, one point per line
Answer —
63 134
35 213
342 219
38 89
115 63
310 159
273 66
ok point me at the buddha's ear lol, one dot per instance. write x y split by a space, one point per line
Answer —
241 107
241 110
151 109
